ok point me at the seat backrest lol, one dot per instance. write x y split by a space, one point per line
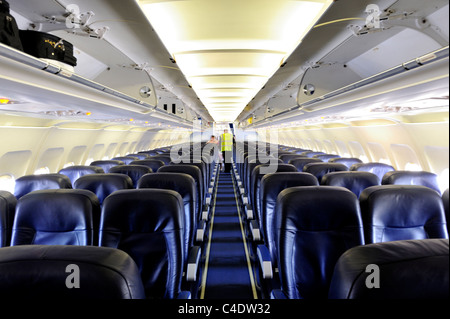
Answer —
412 178
315 226
288 157
135 172
7 211
411 269
326 157
31 183
250 168
126 159
104 185
353 181
68 273
107 165
378 169
164 158
148 224
75 172
319 170
300 163
393 212
271 186
312 154
193 171
56 217
347 161
255 182
184 185
155 165
445 200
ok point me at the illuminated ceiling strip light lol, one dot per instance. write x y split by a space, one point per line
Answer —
234 44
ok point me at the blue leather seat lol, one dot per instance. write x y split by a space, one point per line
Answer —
412 178
203 170
31 183
392 213
135 172
43 273
312 154
288 157
75 172
319 170
7 211
255 182
445 200
107 165
126 159
140 156
326 157
196 174
300 163
251 165
411 269
353 181
378 169
148 224
347 161
271 186
155 165
103 185
56 217
315 226
164 158
184 185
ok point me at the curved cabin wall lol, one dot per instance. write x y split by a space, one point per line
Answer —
27 149
416 143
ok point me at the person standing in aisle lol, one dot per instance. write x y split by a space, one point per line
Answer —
226 142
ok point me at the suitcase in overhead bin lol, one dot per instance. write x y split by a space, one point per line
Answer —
9 31
47 46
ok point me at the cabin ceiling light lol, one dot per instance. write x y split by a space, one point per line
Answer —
228 50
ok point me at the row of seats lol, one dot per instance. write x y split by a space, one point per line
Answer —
306 227
154 224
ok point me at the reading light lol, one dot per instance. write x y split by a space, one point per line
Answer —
228 50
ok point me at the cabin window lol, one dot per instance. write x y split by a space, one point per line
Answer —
405 158
358 151
69 165
443 180
7 183
378 153
89 161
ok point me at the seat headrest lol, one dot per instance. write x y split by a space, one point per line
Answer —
349 162
378 169
75 172
411 269
300 163
31 183
152 210
153 164
317 208
107 165
126 159
319 170
42 272
427 179
394 212
8 204
56 217
104 185
273 184
135 172
353 181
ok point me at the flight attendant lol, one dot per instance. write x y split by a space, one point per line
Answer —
226 142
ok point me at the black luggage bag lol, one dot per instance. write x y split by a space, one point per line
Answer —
9 31
47 46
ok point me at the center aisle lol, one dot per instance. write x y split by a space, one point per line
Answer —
228 272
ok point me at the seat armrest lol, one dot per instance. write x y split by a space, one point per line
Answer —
201 231
265 262
195 255
255 231
249 212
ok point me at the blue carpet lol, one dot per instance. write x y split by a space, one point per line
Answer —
228 275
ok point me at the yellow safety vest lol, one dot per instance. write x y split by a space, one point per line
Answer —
227 142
